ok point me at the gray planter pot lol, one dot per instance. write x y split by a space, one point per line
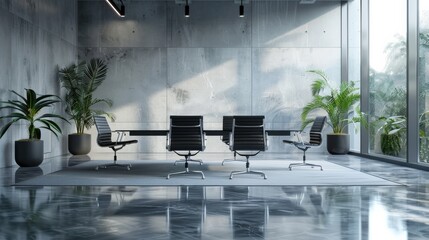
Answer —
29 153
79 144
338 143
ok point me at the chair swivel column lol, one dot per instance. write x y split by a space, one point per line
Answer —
187 171
248 171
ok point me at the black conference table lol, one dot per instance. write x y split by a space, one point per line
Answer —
207 132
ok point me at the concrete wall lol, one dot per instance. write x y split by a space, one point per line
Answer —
213 63
37 36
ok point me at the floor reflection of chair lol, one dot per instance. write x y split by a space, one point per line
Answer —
248 217
185 217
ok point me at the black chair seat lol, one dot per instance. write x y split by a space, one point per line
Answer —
114 144
301 144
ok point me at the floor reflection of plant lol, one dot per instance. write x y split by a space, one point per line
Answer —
45 216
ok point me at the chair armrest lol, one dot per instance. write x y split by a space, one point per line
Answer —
120 134
167 141
298 136
204 140
267 141
231 141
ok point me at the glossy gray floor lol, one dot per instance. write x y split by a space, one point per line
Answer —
289 212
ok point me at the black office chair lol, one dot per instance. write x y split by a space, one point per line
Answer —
104 139
186 138
226 136
248 138
315 141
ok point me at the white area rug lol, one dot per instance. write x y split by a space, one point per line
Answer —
154 172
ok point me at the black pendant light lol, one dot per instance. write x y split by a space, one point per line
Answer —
119 10
187 9
241 9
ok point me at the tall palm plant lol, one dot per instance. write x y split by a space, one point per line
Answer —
81 81
30 109
338 103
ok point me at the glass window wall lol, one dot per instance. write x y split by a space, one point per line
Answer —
388 77
423 80
354 60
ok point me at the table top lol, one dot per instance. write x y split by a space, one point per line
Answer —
163 132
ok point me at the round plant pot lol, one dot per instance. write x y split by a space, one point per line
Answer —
338 143
79 144
29 153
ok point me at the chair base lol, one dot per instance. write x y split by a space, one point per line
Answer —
186 172
189 160
248 171
127 166
304 164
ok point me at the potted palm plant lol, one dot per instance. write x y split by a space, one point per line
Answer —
81 81
340 104
29 152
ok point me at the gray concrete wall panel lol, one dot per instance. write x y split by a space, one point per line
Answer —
4 4
25 9
208 81
144 26
89 21
290 24
211 24
59 18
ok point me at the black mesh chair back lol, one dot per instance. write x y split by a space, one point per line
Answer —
104 139
248 139
248 134
186 133
316 130
227 129
186 138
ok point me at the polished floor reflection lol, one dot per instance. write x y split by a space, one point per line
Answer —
216 212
